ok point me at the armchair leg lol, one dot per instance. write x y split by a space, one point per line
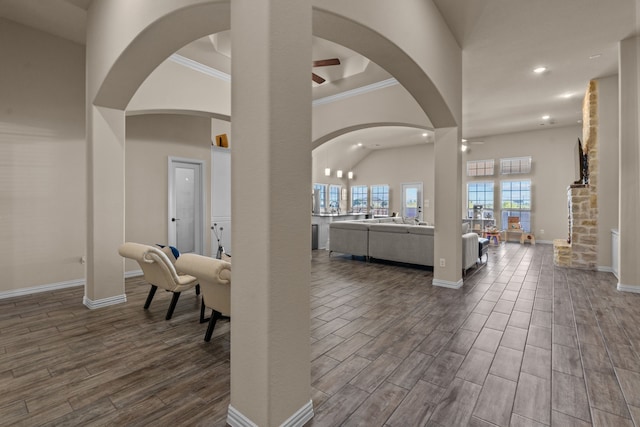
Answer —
172 306
212 323
202 319
198 289
152 292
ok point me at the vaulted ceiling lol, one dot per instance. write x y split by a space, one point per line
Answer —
502 42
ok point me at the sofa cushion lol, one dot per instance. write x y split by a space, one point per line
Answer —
385 219
350 225
389 228
421 229
397 242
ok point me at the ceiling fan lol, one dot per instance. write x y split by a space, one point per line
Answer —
323 63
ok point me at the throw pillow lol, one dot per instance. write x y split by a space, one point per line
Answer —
170 251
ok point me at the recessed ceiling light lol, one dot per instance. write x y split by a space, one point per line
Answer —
566 95
546 117
596 56
540 70
464 140
424 134
359 144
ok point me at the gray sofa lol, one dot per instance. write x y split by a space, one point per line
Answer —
390 239
412 244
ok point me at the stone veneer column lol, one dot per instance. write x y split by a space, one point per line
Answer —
582 199
584 227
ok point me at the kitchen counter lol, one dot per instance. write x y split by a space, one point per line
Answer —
324 219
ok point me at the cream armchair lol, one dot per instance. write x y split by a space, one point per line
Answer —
159 271
214 276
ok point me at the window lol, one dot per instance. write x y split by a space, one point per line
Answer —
480 167
516 201
515 165
480 193
380 199
334 197
322 190
359 198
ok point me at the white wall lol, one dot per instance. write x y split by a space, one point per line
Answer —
42 159
553 153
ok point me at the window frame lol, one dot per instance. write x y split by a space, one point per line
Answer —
515 165
486 209
487 166
359 209
523 212
334 202
380 210
323 194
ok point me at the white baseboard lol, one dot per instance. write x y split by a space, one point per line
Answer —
628 288
301 416
41 288
298 419
104 302
236 419
133 273
544 242
604 269
448 284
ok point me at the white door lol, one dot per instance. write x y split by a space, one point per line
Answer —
412 200
186 201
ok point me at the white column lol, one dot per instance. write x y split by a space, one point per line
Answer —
629 184
271 187
448 221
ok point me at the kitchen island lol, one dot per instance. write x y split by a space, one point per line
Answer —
323 220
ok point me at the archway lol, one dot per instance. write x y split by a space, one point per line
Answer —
123 46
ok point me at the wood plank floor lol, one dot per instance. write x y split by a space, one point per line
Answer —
522 344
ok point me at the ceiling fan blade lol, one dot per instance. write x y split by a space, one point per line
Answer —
316 78
326 62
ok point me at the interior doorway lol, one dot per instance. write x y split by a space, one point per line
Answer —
186 205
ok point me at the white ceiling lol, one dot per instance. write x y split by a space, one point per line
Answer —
502 41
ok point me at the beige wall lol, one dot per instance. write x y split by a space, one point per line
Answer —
553 153
554 167
608 151
172 86
391 166
151 139
42 159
